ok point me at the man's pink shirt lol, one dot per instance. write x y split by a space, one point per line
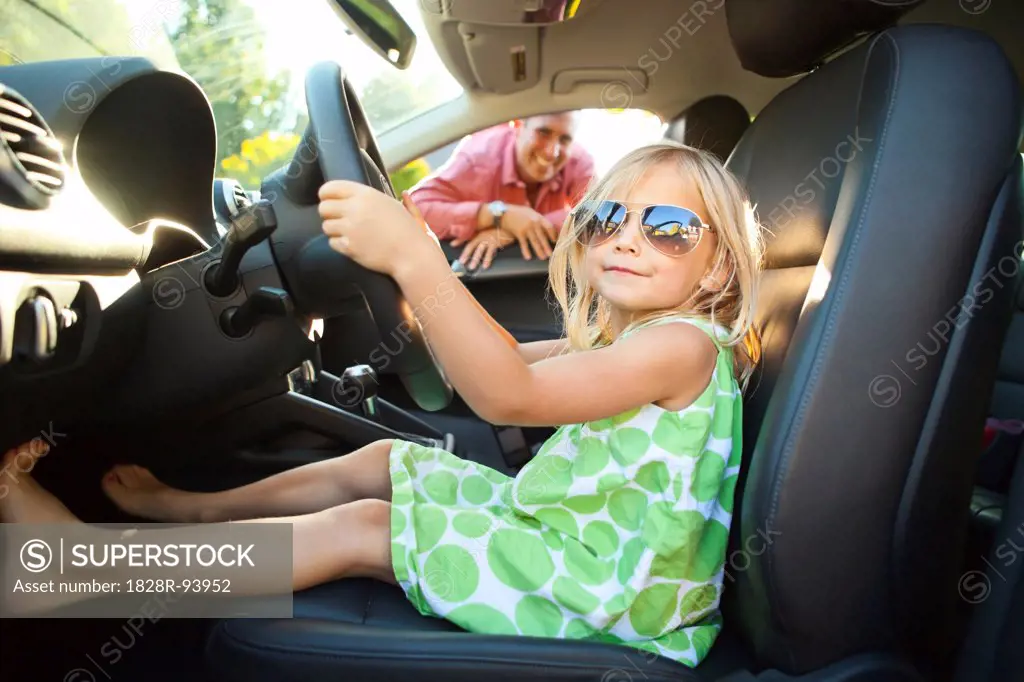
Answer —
482 169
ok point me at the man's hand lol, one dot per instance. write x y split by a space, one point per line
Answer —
531 229
534 232
483 247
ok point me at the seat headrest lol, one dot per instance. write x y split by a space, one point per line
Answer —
780 38
715 123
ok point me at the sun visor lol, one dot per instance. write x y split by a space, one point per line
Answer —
780 38
503 59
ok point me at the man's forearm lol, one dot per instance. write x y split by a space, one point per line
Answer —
449 219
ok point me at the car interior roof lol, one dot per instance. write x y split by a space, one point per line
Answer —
642 64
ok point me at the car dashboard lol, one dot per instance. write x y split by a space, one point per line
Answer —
129 193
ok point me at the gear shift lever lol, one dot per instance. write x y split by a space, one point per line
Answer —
359 382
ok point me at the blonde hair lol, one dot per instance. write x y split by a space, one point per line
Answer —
737 258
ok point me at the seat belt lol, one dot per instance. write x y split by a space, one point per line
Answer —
514 449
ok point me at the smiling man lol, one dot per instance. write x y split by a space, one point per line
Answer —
514 182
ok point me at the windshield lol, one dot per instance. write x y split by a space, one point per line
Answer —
249 56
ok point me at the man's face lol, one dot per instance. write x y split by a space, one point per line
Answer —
542 146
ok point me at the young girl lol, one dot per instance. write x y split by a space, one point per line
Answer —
616 531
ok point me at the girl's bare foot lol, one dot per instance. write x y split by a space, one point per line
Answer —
22 500
137 491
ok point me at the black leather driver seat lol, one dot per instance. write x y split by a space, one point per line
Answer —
366 630
891 185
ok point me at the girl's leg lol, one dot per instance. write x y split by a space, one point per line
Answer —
350 540
362 474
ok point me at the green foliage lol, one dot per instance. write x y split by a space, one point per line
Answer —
408 175
220 43
259 157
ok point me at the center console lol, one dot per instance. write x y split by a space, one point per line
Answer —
352 400
322 410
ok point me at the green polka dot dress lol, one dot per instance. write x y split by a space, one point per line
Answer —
615 531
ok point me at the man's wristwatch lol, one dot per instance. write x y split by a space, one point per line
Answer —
497 210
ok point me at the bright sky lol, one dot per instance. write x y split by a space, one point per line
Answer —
609 136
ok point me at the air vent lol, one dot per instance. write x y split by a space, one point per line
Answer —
229 198
32 167
240 197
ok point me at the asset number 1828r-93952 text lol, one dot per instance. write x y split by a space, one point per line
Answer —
213 585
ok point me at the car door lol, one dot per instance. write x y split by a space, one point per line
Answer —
514 291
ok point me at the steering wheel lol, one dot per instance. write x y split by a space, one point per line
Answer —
339 145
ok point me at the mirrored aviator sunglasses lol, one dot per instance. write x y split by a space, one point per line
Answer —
671 230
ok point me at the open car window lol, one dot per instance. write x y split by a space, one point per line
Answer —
607 134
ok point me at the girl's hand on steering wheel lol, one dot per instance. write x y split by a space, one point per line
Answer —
373 229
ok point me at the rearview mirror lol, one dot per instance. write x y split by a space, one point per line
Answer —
380 26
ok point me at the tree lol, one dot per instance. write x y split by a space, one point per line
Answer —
220 43
259 157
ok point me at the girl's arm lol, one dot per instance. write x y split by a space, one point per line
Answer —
502 332
535 351
496 379
530 352
670 362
